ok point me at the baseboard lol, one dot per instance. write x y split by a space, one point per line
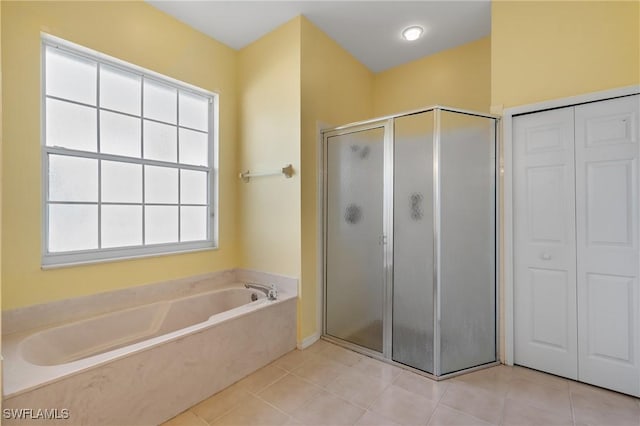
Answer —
308 341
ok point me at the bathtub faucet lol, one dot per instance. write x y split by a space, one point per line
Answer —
269 291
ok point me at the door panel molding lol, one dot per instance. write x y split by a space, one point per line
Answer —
507 231
606 240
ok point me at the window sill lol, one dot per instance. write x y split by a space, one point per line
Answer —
124 258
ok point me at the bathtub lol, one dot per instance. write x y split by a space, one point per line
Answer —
145 364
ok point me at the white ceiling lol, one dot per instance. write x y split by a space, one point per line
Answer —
369 30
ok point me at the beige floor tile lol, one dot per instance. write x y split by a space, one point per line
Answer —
262 378
445 416
596 409
374 419
494 380
289 393
186 419
383 371
341 355
403 407
292 360
540 377
479 403
357 388
320 371
328 409
253 412
421 385
546 397
318 347
519 413
603 396
220 403
293 422
501 370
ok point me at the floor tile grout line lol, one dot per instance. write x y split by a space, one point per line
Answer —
446 389
277 408
468 415
303 403
332 393
268 384
234 406
201 418
573 412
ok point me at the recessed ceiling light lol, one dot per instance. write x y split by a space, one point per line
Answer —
412 33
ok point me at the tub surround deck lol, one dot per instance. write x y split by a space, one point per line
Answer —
132 383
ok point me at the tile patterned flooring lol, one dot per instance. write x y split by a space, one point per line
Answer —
328 385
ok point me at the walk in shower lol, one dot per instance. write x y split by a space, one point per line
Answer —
409 219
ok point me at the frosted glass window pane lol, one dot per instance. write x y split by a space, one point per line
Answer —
193 223
120 90
121 182
160 142
119 134
160 185
193 187
73 178
71 126
194 111
161 224
194 148
70 77
160 102
121 226
72 227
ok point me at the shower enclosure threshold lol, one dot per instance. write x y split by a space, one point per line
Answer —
380 357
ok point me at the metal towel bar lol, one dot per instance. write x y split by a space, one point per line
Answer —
287 171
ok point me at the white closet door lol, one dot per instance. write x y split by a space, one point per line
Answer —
545 267
607 243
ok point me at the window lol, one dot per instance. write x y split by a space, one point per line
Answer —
128 159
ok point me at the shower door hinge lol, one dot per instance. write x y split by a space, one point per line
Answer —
382 240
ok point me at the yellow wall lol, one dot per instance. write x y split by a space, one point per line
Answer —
458 77
549 50
336 89
134 32
269 123
1 362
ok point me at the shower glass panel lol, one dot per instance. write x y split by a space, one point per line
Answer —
413 241
354 243
467 286
410 239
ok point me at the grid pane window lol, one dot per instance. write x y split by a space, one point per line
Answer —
120 134
120 90
127 160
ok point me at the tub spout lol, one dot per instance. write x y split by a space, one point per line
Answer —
270 291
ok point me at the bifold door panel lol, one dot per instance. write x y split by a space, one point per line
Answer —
545 253
576 191
607 242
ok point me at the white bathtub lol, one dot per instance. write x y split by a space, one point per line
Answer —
145 364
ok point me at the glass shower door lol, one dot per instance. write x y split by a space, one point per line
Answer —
468 241
354 237
413 241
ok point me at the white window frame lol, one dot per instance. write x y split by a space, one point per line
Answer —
54 260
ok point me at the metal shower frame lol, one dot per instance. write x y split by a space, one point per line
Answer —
387 123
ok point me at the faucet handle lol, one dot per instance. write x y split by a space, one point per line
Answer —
273 292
